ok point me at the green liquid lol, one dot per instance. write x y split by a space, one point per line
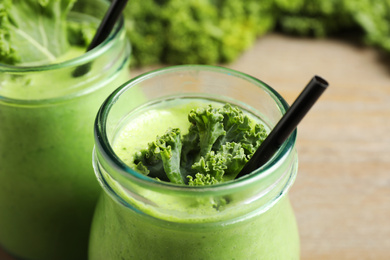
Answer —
48 190
119 232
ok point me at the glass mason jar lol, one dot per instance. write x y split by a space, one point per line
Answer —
139 217
48 189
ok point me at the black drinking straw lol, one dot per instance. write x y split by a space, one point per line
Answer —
286 124
107 24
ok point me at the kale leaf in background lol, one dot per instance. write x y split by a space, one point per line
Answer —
218 31
33 32
369 18
194 31
190 31
37 32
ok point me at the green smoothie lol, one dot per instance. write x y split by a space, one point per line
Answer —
48 190
47 186
142 223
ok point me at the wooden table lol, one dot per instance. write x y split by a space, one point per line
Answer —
342 193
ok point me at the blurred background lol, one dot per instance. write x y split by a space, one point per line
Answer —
218 31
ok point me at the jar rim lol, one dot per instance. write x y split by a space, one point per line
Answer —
69 64
102 142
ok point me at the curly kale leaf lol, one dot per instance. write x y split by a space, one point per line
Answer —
216 31
209 126
239 128
162 158
201 180
194 31
219 143
222 165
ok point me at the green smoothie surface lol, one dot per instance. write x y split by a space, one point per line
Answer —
73 52
41 84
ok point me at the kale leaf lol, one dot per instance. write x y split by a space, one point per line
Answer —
33 32
220 141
